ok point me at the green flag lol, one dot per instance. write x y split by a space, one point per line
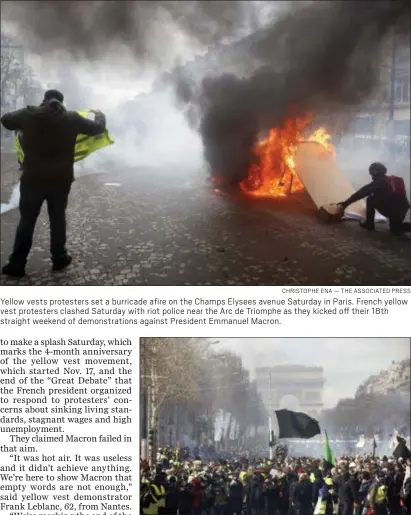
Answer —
328 453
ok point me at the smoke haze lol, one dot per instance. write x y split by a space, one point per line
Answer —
148 29
312 56
346 362
103 54
321 58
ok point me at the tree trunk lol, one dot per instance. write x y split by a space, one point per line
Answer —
144 429
152 449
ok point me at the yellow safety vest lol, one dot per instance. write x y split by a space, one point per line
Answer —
312 477
151 510
320 508
85 145
381 495
330 482
161 496
243 476
17 146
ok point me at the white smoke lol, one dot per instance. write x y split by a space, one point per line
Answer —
13 202
218 425
152 131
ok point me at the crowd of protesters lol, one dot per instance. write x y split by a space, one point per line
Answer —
286 485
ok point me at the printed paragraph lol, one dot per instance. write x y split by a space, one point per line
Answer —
67 425
205 310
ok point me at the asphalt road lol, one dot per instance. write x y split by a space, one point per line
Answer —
135 226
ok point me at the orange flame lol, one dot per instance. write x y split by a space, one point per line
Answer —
273 173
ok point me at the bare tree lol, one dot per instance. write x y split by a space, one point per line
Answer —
185 383
16 76
169 368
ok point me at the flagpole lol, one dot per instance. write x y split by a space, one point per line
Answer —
270 421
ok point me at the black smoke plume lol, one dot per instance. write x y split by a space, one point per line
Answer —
88 29
322 57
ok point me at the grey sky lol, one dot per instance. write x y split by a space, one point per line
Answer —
347 362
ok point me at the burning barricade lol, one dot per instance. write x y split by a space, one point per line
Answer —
292 159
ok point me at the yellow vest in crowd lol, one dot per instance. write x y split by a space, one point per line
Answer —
85 145
243 476
161 495
321 506
152 509
381 495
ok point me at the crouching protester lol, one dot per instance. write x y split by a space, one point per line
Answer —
385 194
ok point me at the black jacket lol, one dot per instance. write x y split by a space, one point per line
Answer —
378 188
348 492
49 137
302 493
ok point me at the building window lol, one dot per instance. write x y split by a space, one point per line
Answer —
402 90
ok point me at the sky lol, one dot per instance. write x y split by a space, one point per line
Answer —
346 362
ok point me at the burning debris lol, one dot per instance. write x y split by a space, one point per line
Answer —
273 172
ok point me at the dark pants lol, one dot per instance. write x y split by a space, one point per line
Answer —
347 508
32 197
381 509
303 509
393 209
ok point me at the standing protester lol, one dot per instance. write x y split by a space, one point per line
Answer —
378 496
235 497
364 490
48 134
302 496
348 496
172 497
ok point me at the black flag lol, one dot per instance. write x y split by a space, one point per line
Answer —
401 451
293 424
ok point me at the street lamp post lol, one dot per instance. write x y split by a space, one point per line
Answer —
270 421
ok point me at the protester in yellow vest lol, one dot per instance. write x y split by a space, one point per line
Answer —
160 494
53 139
325 504
148 500
378 497
85 145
